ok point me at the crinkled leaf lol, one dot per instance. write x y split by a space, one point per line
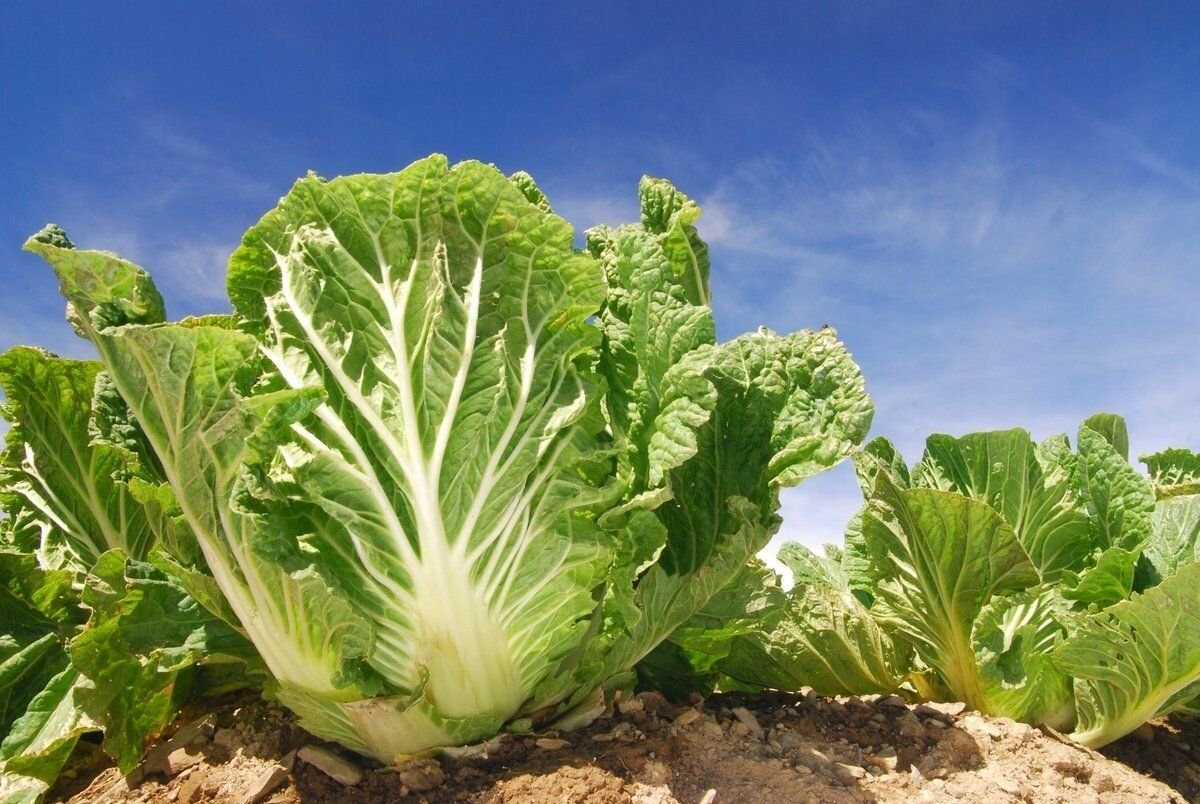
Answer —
1175 542
1174 472
1137 660
937 558
1014 637
52 468
139 647
1118 498
1005 469
41 741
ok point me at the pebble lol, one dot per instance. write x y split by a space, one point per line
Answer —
745 717
262 785
422 775
181 758
686 718
631 705
910 726
551 743
892 702
851 771
333 765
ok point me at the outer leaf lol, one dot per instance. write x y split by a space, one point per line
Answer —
52 469
144 636
187 385
1112 429
37 608
937 559
1175 542
41 741
1014 639
1118 498
688 660
880 454
787 408
1174 472
1137 660
671 216
823 637
1006 470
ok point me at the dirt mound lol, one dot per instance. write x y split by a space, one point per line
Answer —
796 748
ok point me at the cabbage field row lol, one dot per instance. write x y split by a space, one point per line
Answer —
441 475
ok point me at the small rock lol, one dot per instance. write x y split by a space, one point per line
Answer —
333 765
631 705
892 702
1011 787
976 725
951 709
910 726
745 717
851 771
226 738
192 788
885 757
266 782
551 743
788 740
422 775
710 795
180 759
686 718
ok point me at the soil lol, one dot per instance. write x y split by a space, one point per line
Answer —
730 748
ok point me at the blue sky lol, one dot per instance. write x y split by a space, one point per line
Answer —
996 204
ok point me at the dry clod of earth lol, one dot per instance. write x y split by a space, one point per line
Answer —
731 748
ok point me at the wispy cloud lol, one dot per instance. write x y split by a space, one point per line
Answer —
979 289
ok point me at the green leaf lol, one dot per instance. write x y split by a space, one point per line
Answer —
70 486
139 647
102 290
41 741
880 454
823 637
1109 580
671 216
1137 660
1014 638
1175 542
937 558
1118 498
1173 472
787 407
1007 470
1112 429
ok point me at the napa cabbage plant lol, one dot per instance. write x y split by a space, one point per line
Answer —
446 472
1026 579
77 586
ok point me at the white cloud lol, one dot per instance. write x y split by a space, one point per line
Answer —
977 290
